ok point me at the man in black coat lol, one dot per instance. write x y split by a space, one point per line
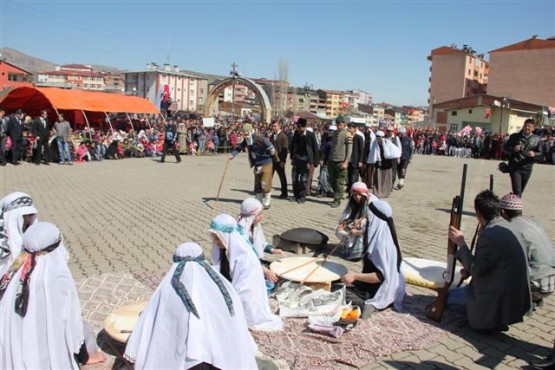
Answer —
304 156
357 155
281 143
170 136
15 132
41 130
499 293
523 147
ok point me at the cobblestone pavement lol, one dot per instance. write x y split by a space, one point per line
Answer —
128 216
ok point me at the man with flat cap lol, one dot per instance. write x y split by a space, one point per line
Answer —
261 157
304 156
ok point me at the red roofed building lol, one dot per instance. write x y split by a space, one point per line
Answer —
11 76
77 76
524 71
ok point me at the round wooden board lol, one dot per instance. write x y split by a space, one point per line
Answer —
120 323
326 272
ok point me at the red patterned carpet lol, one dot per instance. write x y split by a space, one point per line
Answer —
385 333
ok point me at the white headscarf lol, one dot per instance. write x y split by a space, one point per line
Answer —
250 209
13 207
50 331
383 253
246 273
172 335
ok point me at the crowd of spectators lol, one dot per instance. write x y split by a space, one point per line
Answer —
194 139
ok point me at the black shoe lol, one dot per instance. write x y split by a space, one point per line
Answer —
47 163
546 363
16 163
335 204
298 200
3 164
302 200
37 163
283 196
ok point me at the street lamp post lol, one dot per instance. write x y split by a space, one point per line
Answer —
234 74
504 103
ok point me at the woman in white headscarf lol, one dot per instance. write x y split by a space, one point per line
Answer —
41 326
17 214
193 318
250 219
380 284
237 260
352 224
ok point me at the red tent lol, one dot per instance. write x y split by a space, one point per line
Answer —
75 102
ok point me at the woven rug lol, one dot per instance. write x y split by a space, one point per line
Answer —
385 333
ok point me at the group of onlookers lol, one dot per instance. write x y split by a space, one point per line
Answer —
477 144
41 140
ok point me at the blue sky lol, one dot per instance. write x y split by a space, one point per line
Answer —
377 46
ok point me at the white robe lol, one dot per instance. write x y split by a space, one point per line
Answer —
52 330
383 254
247 278
167 336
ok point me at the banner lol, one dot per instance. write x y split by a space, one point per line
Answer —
208 122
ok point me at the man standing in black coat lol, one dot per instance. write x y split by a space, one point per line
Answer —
170 136
280 142
41 130
406 154
15 132
357 155
304 156
523 147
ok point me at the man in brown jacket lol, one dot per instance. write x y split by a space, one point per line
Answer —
280 142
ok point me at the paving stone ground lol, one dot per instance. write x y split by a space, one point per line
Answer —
128 216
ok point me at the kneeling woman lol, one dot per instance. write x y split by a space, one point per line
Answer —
237 260
194 319
380 283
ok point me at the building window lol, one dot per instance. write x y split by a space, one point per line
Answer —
454 113
454 127
470 111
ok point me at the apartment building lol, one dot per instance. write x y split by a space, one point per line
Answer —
76 76
186 91
333 99
524 71
456 73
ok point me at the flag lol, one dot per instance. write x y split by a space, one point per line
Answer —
488 112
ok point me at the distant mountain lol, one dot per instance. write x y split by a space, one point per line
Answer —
25 61
34 65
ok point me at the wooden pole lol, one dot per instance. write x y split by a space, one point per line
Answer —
222 181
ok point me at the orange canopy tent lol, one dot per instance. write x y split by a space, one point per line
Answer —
34 99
